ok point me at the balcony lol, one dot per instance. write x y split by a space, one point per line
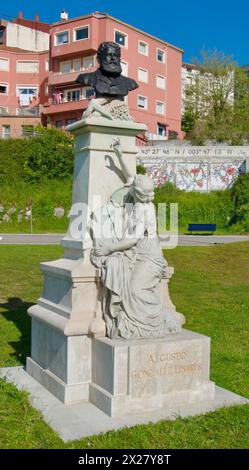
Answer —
20 112
150 136
28 112
64 78
61 78
65 106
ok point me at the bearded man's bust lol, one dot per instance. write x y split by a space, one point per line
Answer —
107 81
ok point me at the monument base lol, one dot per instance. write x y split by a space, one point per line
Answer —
134 376
64 366
123 377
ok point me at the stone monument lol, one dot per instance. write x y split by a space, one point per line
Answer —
105 329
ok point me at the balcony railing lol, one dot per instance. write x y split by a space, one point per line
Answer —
64 105
151 136
57 78
26 112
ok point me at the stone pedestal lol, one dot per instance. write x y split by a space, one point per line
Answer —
70 305
130 377
67 320
97 172
62 364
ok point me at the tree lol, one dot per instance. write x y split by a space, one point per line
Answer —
49 155
241 106
216 101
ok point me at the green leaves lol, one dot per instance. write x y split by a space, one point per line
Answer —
47 156
215 207
216 101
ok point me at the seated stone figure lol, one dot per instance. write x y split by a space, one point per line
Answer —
131 262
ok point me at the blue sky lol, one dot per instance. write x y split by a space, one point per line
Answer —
191 25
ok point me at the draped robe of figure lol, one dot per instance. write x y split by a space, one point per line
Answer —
131 278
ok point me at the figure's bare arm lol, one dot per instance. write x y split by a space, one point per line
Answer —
124 244
109 248
105 248
129 176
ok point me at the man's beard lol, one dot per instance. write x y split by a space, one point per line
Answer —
112 69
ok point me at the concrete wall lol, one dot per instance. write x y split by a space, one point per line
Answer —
26 38
190 168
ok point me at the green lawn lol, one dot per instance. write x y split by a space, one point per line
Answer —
210 286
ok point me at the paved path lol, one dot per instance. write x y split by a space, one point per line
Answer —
199 240
28 239
54 239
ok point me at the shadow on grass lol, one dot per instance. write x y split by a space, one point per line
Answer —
15 311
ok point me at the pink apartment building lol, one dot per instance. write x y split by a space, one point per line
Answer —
24 62
39 64
153 63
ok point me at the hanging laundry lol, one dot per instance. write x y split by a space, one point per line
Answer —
24 100
58 97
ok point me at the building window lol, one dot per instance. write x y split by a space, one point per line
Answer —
88 62
4 88
143 48
142 102
5 131
160 107
27 131
121 38
61 38
73 95
124 66
160 82
47 65
161 129
27 66
76 65
88 92
26 95
3 111
58 124
160 56
46 89
81 33
65 67
4 65
142 75
1 35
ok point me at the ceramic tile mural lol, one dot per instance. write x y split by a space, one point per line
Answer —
188 176
224 174
194 169
162 172
192 176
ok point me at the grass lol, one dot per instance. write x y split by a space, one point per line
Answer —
210 286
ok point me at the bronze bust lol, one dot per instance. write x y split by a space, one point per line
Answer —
107 81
